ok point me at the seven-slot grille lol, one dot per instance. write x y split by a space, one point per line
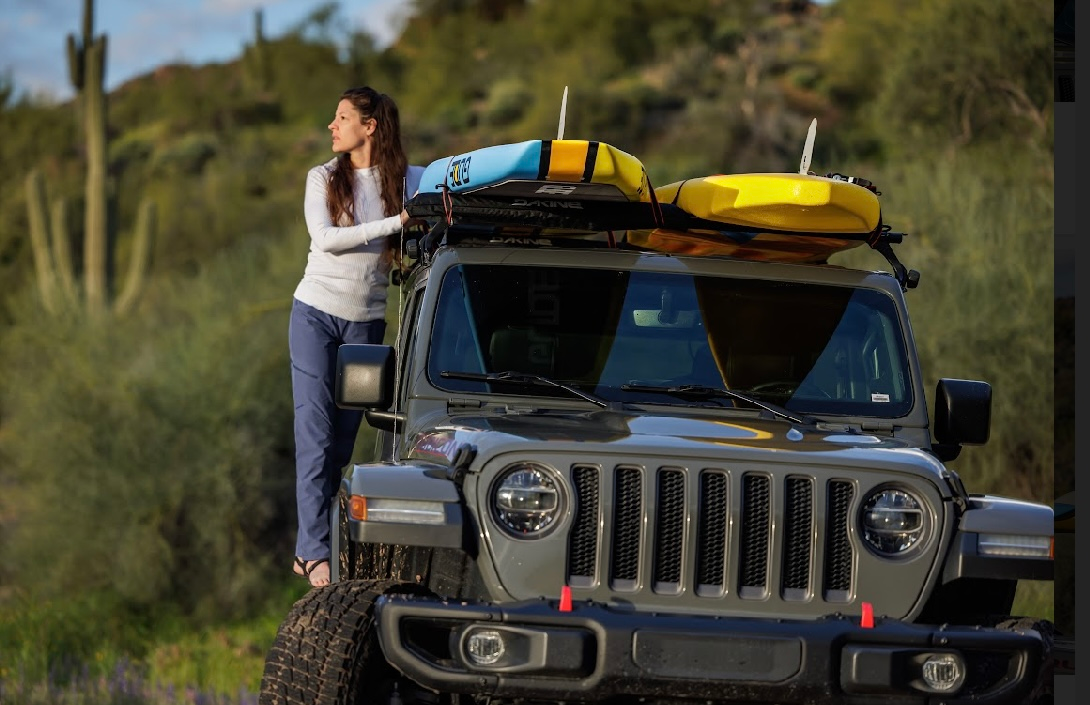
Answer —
750 535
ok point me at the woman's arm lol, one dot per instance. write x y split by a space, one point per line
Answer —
328 237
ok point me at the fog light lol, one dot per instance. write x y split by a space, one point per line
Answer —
943 672
485 647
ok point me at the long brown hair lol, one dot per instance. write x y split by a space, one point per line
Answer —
386 151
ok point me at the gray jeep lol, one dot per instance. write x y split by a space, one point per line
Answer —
605 473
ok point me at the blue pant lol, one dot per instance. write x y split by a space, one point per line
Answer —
324 433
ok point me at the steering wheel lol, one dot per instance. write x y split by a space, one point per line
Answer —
779 387
788 388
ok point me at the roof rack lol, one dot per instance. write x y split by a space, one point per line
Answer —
469 219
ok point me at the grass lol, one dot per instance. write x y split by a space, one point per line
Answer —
1035 598
47 656
222 660
124 686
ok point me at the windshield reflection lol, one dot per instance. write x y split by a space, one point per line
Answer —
807 347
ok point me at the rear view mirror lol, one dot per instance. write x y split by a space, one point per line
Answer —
657 318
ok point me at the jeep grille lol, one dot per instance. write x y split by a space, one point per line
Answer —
757 535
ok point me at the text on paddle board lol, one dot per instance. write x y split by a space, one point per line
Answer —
459 171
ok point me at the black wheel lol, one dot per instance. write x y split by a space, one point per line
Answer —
326 650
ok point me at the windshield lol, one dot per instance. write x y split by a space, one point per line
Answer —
807 347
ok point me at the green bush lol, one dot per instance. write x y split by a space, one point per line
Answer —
506 101
153 460
185 155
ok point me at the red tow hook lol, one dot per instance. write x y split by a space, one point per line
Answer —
867 619
565 599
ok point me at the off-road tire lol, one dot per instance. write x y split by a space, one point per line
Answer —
410 564
326 650
347 550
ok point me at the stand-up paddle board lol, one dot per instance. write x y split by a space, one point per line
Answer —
541 169
786 202
811 217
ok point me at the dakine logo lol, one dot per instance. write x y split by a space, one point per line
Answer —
506 241
556 189
523 203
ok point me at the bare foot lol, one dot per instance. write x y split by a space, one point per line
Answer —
316 571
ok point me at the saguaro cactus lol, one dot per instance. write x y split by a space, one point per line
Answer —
255 60
40 239
87 64
51 243
139 258
51 247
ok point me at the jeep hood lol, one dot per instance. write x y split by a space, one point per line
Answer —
618 433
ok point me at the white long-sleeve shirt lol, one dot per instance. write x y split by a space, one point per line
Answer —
344 276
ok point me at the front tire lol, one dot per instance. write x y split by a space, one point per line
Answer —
327 651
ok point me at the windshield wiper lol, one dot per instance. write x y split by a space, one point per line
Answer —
525 379
700 391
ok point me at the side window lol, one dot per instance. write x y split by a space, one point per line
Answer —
405 345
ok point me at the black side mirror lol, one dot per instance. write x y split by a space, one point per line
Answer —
963 412
365 376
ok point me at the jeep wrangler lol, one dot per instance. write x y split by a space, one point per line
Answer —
606 473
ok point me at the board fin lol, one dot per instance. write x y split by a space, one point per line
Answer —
808 147
563 112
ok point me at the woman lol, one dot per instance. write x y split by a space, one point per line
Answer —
353 205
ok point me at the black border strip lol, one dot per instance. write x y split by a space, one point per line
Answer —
545 158
588 165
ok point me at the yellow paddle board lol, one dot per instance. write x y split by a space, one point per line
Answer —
788 202
812 214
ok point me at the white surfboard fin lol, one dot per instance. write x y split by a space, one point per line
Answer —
808 148
563 112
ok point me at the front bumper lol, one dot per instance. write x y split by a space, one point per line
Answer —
594 652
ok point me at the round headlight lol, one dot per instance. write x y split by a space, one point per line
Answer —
893 521
526 500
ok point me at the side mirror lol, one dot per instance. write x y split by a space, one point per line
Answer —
365 376
963 412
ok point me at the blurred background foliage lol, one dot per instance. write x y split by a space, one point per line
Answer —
146 460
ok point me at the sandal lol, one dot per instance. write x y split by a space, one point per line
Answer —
304 568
